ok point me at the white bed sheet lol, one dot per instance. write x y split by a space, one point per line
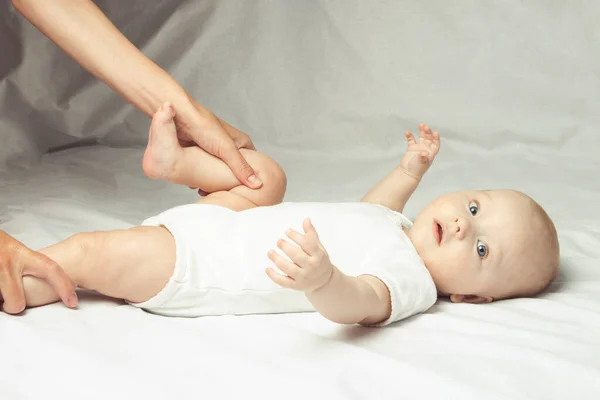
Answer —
544 348
326 88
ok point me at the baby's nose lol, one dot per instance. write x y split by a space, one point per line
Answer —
461 227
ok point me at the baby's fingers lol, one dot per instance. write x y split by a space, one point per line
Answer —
427 135
284 265
283 281
422 131
295 253
436 141
309 228
410 138
309 242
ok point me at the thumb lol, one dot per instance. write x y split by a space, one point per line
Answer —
240 168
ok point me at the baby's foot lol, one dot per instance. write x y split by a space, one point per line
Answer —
163 150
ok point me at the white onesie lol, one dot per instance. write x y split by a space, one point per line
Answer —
222 256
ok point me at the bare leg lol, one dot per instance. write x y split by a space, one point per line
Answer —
133 264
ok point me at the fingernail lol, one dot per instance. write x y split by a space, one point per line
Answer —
254 180
72 300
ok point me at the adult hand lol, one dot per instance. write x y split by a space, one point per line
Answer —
16 261
81 30
196 125
240 139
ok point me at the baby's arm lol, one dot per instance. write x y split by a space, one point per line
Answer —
338 297
352 300
395 189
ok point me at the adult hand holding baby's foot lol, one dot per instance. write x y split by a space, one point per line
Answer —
420 153
218 138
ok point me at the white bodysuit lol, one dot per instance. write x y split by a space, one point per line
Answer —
222 256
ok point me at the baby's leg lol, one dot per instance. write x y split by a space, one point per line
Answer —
133 264
165 159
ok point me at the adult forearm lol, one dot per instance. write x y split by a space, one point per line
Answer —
345 299
81 30
394 190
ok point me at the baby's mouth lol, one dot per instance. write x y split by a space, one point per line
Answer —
438 232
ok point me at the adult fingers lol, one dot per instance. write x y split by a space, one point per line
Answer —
240 167
40 266
246 144
243 141
11 287
211 136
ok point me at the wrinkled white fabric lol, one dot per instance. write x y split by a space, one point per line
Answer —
221 257
326 88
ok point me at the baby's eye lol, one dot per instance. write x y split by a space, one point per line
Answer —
481 249
473 208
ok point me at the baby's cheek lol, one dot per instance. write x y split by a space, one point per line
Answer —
449 272
441 272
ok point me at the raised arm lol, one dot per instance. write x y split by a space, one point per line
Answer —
394 190
81 30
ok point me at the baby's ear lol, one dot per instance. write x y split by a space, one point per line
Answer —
470 298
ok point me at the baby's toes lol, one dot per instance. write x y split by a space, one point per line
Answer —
164 114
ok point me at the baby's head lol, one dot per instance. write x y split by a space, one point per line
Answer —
488 245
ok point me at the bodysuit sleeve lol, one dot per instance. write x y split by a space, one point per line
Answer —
411 287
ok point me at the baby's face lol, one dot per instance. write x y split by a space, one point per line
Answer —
471 241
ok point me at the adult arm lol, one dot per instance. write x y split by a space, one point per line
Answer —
82 31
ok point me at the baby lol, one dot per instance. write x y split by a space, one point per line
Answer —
242 251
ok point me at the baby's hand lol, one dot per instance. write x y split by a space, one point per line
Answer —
310 269
420 154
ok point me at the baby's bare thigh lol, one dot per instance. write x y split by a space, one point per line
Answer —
132 264
226 199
